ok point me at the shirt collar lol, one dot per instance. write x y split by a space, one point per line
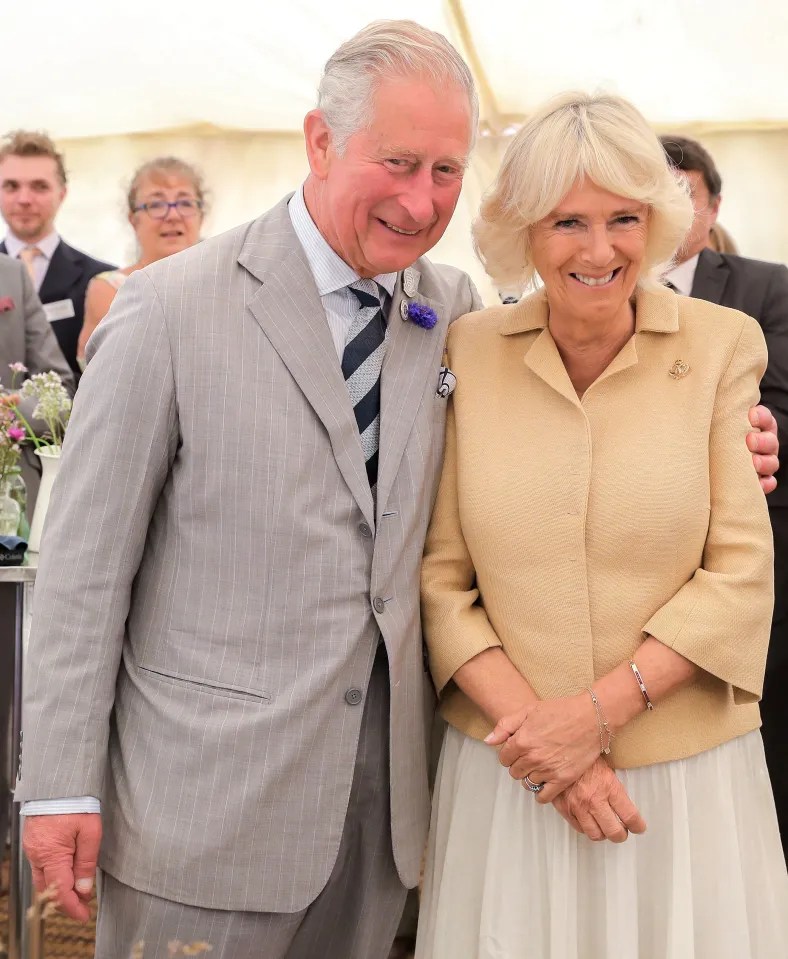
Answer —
683 275
330 271
47 246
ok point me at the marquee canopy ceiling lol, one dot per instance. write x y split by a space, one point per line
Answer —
85 68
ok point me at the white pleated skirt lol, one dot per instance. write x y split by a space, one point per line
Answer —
507 878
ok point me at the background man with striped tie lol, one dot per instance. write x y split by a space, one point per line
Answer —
225 668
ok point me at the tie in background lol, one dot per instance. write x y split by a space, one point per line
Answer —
28 255
362 361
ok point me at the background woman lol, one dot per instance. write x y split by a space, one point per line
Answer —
597 581
166 210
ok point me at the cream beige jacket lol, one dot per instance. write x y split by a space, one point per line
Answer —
565 530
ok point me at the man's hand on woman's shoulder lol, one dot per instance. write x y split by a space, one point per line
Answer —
764 445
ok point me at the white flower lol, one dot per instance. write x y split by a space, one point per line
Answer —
53 404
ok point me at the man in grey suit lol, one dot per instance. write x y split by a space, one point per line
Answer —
759 289
225 670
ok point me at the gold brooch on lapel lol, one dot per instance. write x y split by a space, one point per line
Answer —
679 370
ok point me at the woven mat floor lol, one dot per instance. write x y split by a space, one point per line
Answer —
65 939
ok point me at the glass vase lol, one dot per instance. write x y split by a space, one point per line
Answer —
18 491
10 511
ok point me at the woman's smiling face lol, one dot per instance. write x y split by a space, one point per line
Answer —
589 251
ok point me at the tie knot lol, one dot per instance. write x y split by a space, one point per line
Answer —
366 292
27 255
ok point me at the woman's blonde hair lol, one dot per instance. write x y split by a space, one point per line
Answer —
574 136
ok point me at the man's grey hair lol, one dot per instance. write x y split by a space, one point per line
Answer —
386 49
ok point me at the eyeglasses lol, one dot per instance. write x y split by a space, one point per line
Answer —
160 209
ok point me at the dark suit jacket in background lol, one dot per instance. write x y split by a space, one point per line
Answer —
760 290
67 278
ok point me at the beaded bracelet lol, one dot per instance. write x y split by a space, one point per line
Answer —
604 729
643 690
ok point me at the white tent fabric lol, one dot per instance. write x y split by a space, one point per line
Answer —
227 86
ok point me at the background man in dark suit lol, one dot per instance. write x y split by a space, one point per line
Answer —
759 289
32 188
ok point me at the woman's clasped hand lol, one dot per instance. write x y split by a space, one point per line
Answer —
556 742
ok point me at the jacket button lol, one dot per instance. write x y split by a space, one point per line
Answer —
365 530
378 605
353 697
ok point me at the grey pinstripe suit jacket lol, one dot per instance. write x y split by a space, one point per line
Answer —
205 595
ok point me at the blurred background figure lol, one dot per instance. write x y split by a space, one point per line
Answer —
721 241
32 189
26 338
759 289
166 209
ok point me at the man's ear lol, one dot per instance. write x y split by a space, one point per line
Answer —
318 143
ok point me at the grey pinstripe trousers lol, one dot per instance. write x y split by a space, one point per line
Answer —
354 917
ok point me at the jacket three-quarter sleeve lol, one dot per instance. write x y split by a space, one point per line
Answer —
720 619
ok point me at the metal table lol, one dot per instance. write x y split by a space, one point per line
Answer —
16 583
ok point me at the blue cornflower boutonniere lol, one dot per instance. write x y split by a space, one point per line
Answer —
422 315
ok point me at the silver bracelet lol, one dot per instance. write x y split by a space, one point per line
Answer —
639 680
604 729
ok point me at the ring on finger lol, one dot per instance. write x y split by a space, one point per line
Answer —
530 784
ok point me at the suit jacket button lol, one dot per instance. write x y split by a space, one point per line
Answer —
365 530
378 605
353 697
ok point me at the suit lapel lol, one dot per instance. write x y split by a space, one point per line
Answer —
711 277
62 275
288 309
412 358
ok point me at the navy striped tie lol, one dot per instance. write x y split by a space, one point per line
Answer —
362 361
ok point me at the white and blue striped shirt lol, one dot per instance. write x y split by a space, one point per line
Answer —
332 275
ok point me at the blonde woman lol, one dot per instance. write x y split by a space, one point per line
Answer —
166 201
597 584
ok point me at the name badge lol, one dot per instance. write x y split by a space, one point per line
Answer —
59 310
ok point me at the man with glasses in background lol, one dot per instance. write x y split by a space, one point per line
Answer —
32 188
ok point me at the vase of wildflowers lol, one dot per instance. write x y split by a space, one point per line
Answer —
53 406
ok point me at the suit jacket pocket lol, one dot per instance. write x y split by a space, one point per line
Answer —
211 662
207 686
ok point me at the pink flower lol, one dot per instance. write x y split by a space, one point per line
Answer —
17 367
6 304
17 434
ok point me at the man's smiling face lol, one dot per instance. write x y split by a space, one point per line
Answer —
388 198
